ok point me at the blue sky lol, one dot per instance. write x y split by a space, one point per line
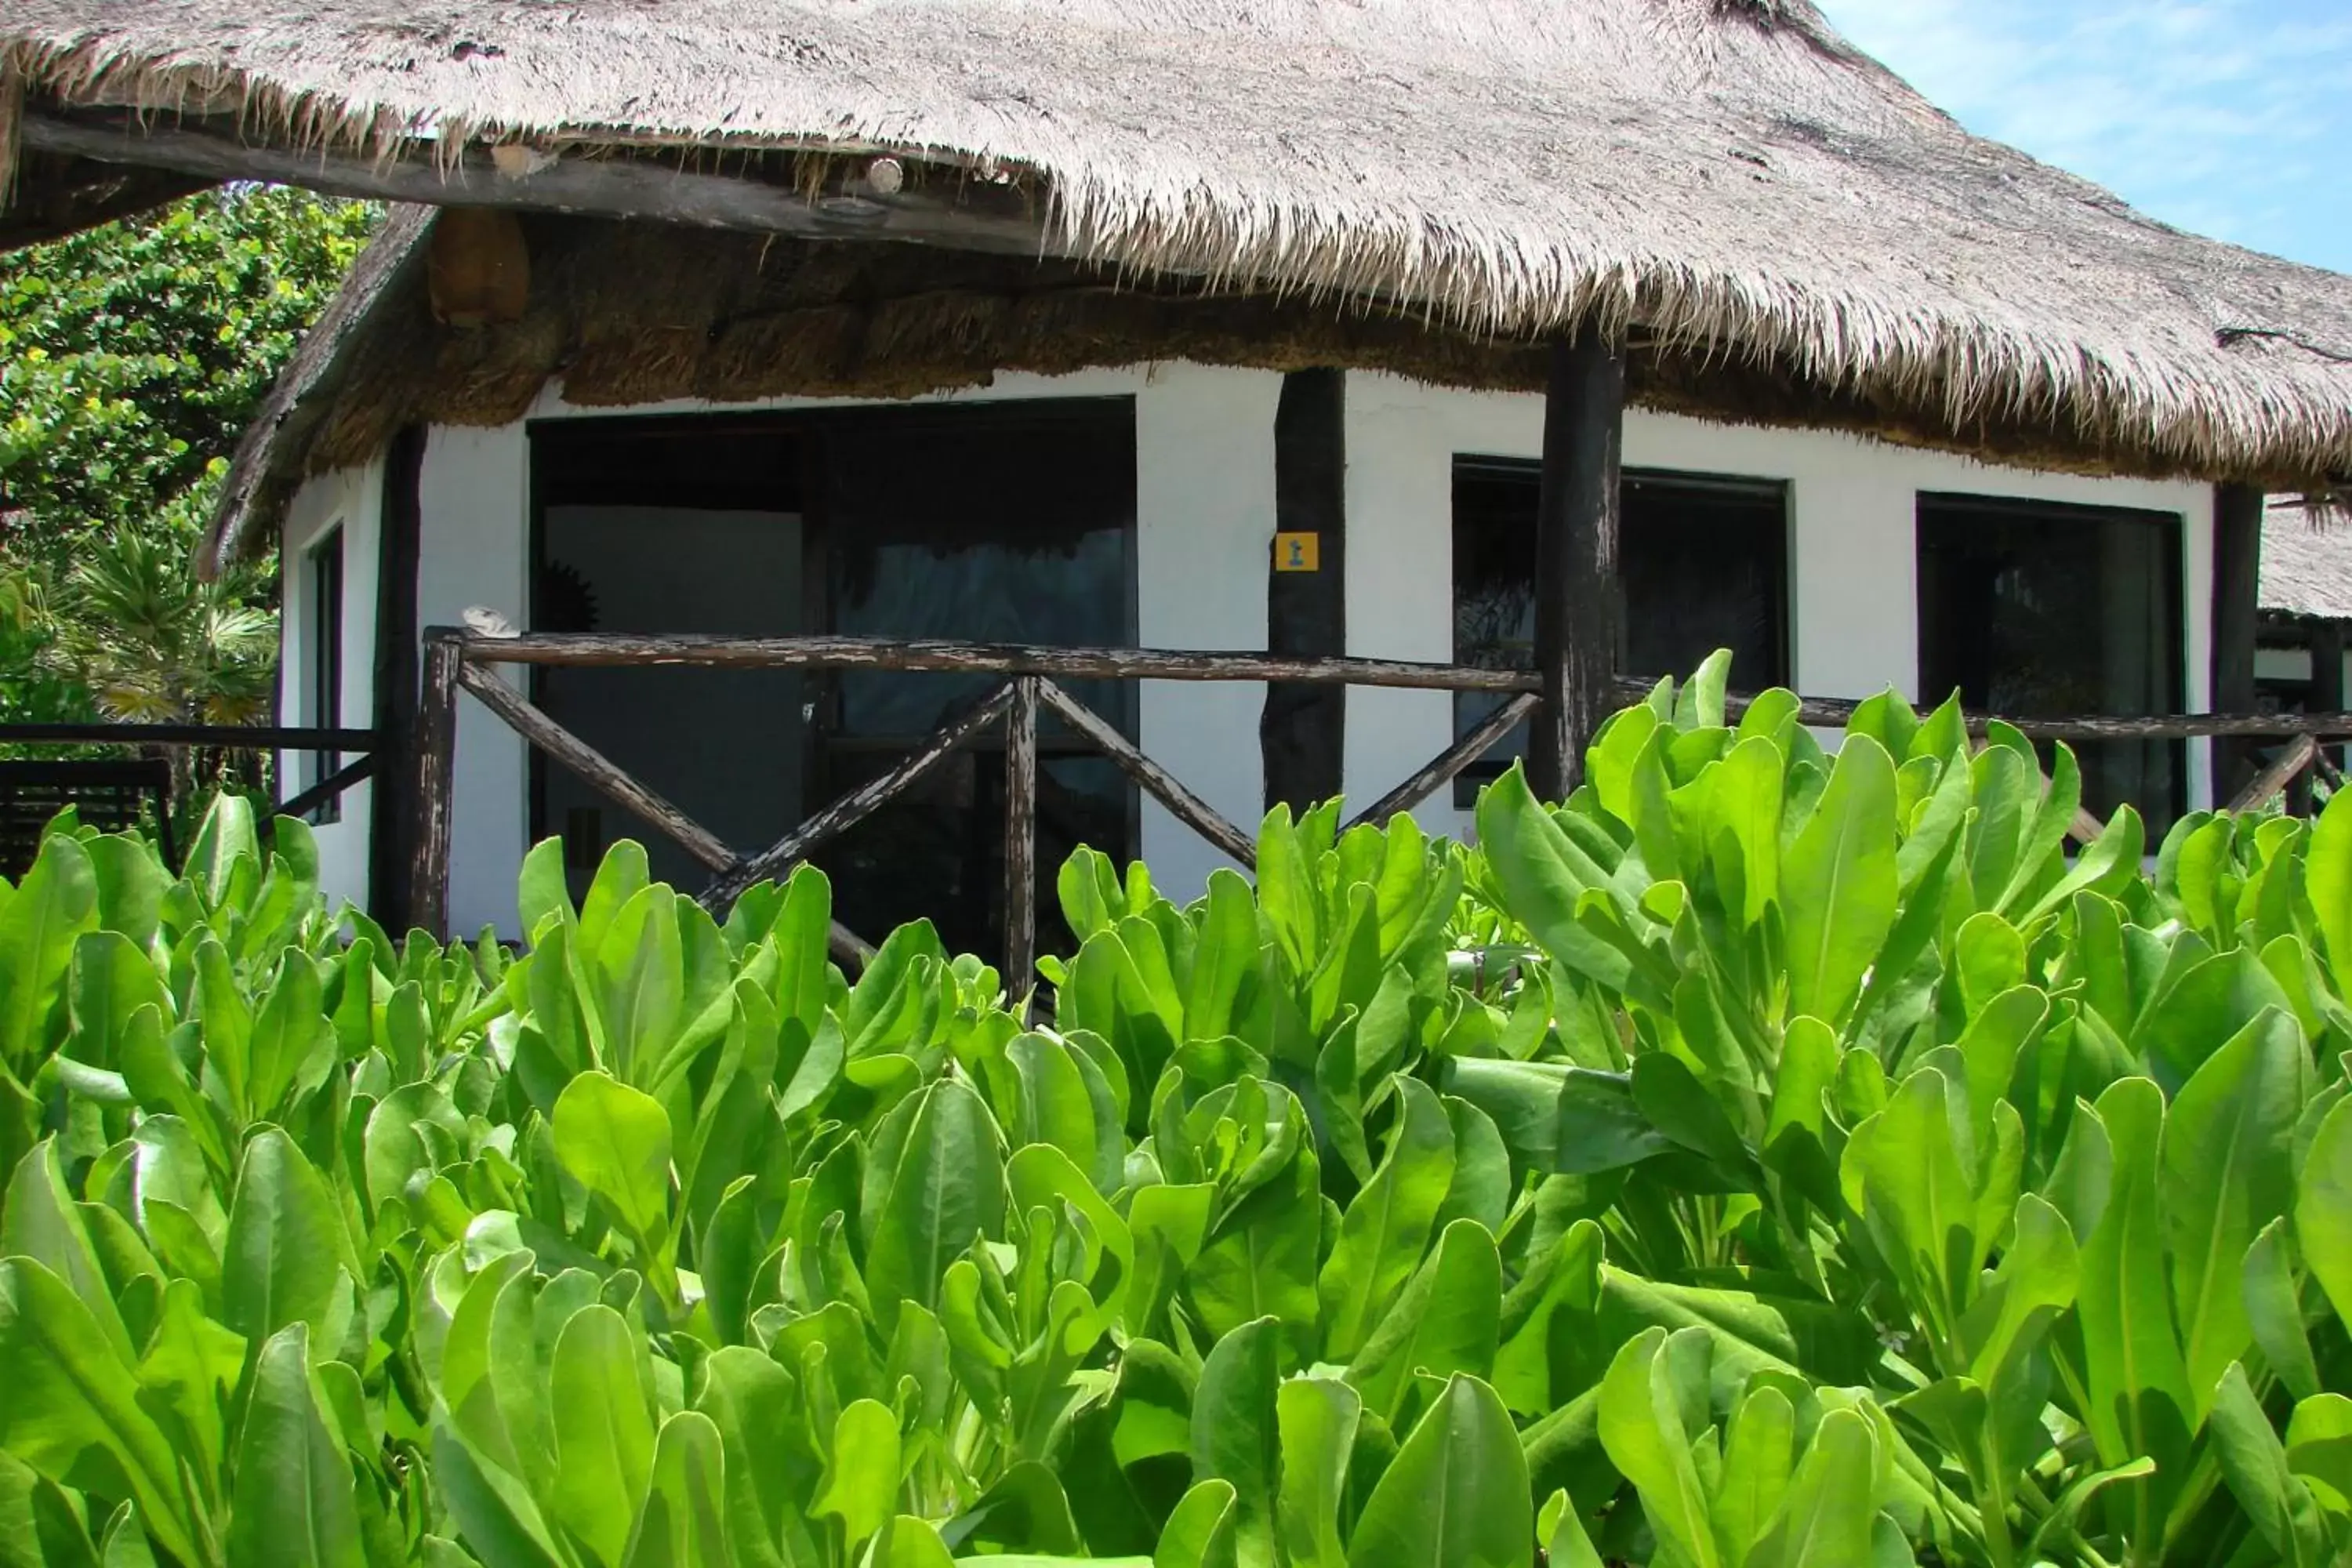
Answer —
2230 117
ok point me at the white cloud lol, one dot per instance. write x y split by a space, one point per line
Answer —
2227 116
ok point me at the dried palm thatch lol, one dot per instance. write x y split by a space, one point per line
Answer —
1727 176
2306 563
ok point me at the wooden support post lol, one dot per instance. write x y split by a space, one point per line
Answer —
1021 838
392 711
2326 687
436 784
1576 556
2237 595
1302 730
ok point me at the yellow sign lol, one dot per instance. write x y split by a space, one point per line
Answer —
1297 552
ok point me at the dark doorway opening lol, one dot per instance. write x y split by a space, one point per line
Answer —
1006 523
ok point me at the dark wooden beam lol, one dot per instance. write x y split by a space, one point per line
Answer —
57 196
1576 556
400 527
2283 769
713 652
1439 771
248 737
434 800
1164 786
1302 731
332 786
1021 838
2237 606
856 806
608 777
979 216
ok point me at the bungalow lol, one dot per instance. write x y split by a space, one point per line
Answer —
1549 341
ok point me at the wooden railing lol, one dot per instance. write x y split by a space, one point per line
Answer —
1029 683
363 746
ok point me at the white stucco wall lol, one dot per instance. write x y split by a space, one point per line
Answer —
351 499
1205 477
1852 598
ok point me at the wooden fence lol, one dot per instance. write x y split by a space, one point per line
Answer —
1030 683
56 785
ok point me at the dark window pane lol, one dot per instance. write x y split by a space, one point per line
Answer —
2033 610
997 524
1703 564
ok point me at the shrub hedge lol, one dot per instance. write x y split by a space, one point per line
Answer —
1767 1157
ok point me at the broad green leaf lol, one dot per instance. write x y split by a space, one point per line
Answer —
1200 1532
2323 1206
1455 1496
1642 1427
1838 883
1387 1227
1236 1435
1829 1508
55 903
283 1257
1317 1418
684 1522
294 1502
72 1410
603 1433
1446 1321
41 1221
2228 1171
934 1184
2328 880
2254 1463
616 1141
861 1478
2139 1400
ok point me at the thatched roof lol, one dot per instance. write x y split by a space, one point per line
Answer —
1724 176
2307 570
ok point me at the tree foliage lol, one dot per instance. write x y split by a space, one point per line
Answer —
132 357
132 354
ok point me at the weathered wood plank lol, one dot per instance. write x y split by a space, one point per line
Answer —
1164 786
1576 556
391 814
1021 838
598 771
1302 727
434 798
1001 658
704 652
1440 770
2289 764
980 217
857 804
332 786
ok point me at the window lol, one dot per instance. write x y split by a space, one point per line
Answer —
2034 610
323 567
1702 561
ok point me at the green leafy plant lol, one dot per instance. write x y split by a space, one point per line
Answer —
1768 1156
